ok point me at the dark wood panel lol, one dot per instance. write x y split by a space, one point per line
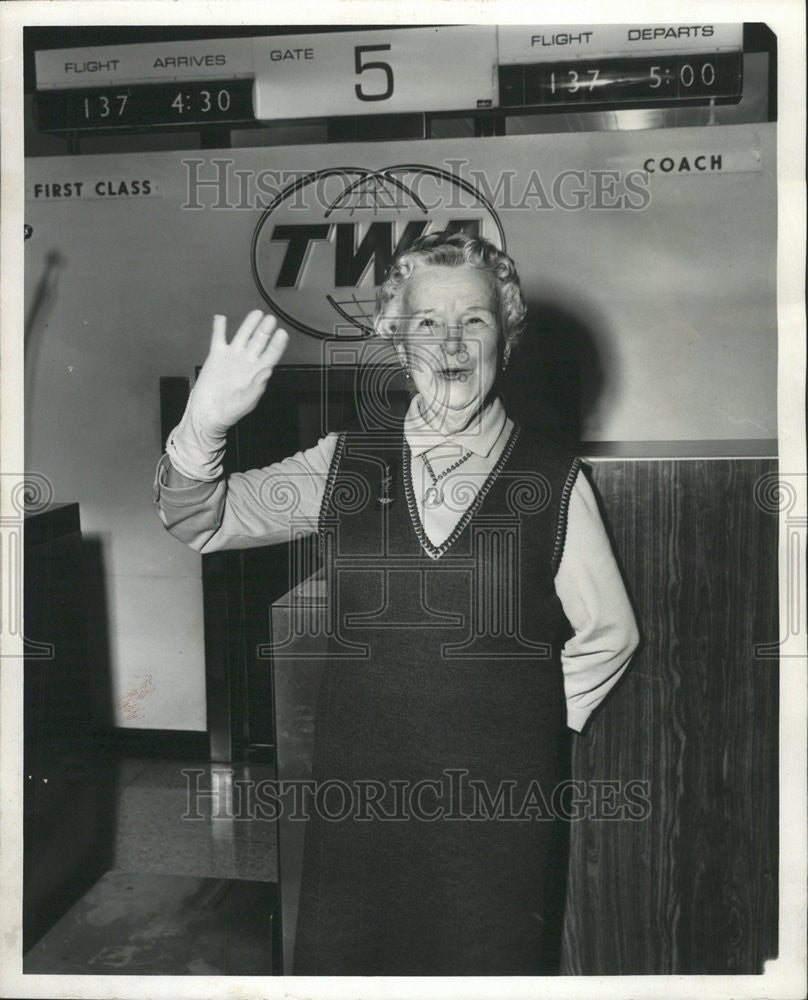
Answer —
691 888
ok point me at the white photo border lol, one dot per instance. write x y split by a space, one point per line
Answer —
784 977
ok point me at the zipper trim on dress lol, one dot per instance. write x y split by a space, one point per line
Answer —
329 485
561 529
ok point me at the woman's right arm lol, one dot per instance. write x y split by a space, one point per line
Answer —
195 502
175 480
261 507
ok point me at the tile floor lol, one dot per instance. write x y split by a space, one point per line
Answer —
138 924
190 818
191 881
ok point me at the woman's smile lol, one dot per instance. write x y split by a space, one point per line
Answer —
451 374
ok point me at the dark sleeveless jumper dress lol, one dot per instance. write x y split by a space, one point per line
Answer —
440 727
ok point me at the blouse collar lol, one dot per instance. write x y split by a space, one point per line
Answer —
479 437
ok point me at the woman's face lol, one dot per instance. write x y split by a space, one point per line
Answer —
450 336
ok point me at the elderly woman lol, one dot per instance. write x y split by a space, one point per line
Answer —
478 612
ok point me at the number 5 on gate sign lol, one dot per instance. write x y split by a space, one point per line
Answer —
375 72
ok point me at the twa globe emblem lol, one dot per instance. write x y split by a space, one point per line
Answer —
324 245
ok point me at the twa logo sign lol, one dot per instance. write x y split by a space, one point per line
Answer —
325 243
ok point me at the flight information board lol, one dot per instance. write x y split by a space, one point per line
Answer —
385 71
184 102
614 81
440 69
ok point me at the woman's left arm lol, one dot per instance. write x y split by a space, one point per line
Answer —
593 595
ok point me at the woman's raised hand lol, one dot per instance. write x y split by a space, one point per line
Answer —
234 375
231 382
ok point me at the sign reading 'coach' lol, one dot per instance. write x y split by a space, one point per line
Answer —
326 242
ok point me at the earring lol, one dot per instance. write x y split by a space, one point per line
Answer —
506 354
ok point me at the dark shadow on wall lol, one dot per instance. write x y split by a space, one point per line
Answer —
40 306
98 631
560 374
104 787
